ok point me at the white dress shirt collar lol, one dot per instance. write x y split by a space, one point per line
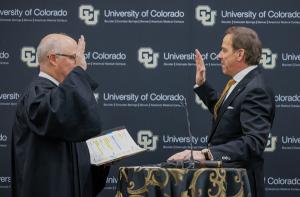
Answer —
239 76
45 75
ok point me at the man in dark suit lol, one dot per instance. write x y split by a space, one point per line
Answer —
243 114
54 117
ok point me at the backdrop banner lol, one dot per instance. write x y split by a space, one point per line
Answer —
142 55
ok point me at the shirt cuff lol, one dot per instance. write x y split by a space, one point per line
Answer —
196 86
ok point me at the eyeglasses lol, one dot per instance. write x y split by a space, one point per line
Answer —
72 57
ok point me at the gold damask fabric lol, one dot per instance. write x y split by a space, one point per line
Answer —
172 182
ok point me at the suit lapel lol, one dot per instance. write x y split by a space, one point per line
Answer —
235 92
230 98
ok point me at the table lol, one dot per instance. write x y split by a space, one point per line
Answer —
145 181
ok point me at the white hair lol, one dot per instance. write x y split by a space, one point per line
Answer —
50 43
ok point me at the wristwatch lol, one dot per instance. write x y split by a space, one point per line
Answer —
207 154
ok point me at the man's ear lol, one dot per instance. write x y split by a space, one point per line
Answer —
241 54
52 59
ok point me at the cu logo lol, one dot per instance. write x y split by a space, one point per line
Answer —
88 14
268 59
147 140
28 55
205 15
147 57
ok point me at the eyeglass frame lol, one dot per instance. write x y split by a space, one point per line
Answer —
73 57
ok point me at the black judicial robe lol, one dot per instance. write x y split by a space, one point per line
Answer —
49 155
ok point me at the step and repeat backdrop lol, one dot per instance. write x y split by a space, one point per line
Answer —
142 55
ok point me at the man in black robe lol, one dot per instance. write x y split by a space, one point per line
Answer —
54 117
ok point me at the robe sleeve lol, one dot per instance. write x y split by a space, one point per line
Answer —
67 112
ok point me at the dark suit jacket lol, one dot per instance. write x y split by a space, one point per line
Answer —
239 134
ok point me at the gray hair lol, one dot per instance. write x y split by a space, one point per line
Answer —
247 39
50 43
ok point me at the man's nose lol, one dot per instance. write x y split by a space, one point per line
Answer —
219 55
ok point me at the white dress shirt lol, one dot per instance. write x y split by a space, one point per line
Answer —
45 75
238 77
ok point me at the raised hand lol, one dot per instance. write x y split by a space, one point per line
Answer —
80 58
200 68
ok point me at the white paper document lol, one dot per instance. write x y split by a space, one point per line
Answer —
114 145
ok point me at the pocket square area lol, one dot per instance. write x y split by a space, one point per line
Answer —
230 107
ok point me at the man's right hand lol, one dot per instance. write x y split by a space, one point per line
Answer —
200 68
80 58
